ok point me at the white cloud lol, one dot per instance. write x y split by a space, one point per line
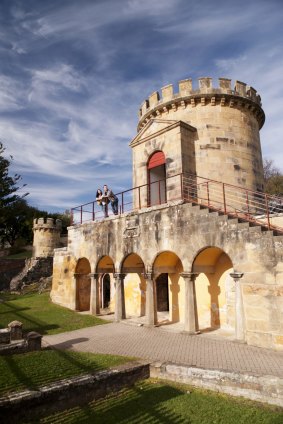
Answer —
61 75
83 68
12 94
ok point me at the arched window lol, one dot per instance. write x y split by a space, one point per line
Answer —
156 171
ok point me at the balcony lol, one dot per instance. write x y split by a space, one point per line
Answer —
238 202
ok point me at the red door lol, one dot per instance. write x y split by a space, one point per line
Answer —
156 179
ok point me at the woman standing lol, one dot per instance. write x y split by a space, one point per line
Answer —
102 201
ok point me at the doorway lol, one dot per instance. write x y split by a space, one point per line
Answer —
156 179
162 294
105 291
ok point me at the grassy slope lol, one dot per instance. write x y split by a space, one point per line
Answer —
34 369
38 313
155 402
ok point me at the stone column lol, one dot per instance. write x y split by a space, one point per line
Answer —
239 308
94 294
150 306
74 298
16 330
120 312
34 341
191 321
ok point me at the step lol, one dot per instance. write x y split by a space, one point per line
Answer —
255 229
278 239
243 225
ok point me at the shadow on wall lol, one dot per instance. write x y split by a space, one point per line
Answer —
212 266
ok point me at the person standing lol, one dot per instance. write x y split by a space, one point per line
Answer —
102 200
107 192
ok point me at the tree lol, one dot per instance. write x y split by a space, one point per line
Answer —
8 195
64 217
273 178
16 223
8 185
16 216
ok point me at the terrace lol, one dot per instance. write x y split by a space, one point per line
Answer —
252 206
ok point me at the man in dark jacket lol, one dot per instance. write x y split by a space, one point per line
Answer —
107 192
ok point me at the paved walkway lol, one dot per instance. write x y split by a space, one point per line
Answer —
157 344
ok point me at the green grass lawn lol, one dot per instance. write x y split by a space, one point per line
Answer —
38 313
34 369
153 402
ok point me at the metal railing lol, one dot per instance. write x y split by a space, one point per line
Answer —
252 206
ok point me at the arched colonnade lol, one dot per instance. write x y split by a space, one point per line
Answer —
201 299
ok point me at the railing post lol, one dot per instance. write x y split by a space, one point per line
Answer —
139 198
247 201
207 192
224 198
81 214
93 214
72 217
267 210
122 202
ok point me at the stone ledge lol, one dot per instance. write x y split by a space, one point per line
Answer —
135 212
268 389
71 392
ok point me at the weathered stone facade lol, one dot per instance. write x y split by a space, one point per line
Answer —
180 262
212 132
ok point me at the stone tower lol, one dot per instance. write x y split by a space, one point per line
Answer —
209 132
46 236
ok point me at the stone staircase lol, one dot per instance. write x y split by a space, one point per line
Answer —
34 270
254 229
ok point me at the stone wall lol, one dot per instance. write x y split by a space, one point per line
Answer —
71 392
267 389
185 230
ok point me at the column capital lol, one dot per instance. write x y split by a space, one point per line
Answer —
119 275
189 275
148 275
94 274
236 275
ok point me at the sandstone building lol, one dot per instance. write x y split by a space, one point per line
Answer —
196 242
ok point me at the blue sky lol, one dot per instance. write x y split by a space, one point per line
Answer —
73 74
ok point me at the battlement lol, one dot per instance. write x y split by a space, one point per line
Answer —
187 94
47 223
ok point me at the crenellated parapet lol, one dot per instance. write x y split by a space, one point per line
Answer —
47 223
240 96
46 236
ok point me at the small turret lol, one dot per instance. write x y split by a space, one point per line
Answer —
46 236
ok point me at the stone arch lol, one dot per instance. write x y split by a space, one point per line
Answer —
214 294
105 265
156 178
169 287
134 285
83 284
105 269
